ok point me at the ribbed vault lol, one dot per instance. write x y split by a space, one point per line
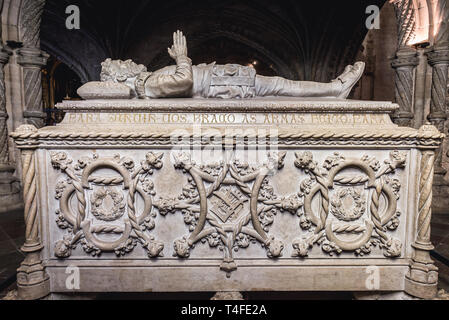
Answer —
308 40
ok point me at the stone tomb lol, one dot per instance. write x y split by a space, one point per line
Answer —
264 194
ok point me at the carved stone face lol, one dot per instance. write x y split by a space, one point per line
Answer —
120 71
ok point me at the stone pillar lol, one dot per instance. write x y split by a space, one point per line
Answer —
9 185
32 60
422 278
438 58
32 280
404 63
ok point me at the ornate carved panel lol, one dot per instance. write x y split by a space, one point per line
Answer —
222 208
112 203
348 216
346 204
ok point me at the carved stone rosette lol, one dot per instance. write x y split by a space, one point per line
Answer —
334 221
422 279
32 280
122 189
438 58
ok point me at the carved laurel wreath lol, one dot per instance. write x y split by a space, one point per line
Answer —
98 210
342 213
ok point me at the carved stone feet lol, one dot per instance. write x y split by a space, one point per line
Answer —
231 295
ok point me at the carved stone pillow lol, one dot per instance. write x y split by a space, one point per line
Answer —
104 90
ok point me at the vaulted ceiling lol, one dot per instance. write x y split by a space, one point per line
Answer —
306 40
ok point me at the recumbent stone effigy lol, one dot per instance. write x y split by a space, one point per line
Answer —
214 178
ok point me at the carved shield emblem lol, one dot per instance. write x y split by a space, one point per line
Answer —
227 202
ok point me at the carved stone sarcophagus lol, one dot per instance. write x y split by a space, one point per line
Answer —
227 195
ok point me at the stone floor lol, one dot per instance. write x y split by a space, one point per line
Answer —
12 237
440 239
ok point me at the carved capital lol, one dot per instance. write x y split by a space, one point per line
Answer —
31 57
439 55
405 57
28 134
403 118
428 129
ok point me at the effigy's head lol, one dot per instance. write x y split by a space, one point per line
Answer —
120 71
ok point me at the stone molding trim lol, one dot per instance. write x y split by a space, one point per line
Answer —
280 104
316 137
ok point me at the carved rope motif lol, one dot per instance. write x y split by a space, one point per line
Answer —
134 180
327 232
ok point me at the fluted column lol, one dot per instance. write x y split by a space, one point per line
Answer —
438 58
32 280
